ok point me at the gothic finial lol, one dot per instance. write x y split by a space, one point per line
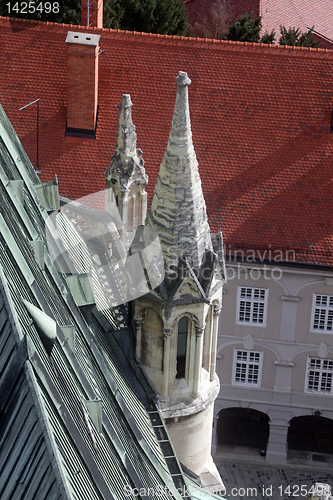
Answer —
180 139
182 79
125 177
126 136
125 102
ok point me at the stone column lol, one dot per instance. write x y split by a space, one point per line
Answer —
143 207
216 313
208 339
199 329
166 362
123 209
277 446
214 435
138 321
136 209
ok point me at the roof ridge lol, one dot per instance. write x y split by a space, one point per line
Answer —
49 23
174 37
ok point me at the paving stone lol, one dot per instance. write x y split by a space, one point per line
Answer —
244 480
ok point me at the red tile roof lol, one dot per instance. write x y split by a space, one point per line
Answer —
260 115
200 9
325 43
302 14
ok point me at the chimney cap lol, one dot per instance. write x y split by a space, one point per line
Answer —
82 38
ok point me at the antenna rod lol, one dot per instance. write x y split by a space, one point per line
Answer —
23 107
88 13
33 102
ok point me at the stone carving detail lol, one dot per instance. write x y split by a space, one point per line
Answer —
126 177
138 322
216 308
249 342
323 351
139 319
199 329
167 332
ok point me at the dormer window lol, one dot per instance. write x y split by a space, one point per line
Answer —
181 347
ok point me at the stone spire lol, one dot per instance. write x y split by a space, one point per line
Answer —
178 211
126 136
126 178
126 156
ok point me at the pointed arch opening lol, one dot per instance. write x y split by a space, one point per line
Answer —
182 341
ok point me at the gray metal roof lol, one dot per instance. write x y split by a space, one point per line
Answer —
27 469
81 422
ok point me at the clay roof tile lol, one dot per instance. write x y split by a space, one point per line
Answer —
258 113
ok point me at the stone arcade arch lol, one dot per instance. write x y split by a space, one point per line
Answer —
311 433
243 427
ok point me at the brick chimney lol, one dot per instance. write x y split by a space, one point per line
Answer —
95 8
82 83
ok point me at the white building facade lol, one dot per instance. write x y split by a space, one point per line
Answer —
275 361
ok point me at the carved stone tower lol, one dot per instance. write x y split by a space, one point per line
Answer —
177 323
125 177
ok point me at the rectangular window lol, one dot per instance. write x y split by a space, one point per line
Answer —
319 375
251 306
322 313
247 367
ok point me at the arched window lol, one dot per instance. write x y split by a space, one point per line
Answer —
181 347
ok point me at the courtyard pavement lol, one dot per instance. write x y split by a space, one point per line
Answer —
247 478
